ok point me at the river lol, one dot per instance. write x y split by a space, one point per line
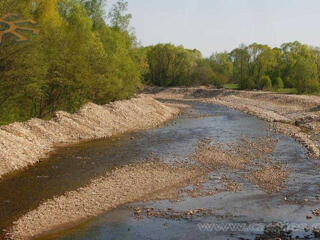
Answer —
242 214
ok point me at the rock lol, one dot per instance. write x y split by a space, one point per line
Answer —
316 212
316 232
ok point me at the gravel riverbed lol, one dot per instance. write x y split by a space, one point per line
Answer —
296 116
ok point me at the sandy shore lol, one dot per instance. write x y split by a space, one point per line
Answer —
24 144
296 116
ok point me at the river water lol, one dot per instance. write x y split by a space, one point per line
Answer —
236 214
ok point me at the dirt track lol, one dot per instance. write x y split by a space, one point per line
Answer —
23 144
294 115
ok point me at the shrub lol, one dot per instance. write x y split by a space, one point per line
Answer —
309 86
265 83
203 76
278 83
220 80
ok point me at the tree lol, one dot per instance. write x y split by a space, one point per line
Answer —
265 83
119 19
240 58
220 80
95 11
278 83
170 65
306 75
203 75
221 63
76 58
291 52
262 62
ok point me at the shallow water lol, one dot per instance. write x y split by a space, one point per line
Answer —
74 166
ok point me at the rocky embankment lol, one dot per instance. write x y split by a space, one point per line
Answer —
23 144
296 116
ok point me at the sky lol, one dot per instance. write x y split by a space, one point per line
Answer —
222 25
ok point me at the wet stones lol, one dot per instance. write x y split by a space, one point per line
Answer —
316 212
269 178
171 214
316 232
275 231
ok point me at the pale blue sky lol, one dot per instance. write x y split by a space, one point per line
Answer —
218 25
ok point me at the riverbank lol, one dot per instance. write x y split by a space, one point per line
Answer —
154 180
124 185
24 144
296 116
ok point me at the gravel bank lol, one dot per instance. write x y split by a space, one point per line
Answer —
128 184
296 116
150 180
23 144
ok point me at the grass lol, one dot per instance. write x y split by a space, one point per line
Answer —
287 90
231 86
295 91
234 86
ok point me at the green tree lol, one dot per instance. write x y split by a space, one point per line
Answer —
221 64
262 62
76 58
95 11
265 83
291 52
306 75
203 75
170 65
119 19
278 83
240 58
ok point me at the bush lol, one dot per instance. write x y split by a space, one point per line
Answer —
306 75
220 80
203 76
265 83
278 83
247 83
308 86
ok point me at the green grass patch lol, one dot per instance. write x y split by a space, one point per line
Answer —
231 86
287 90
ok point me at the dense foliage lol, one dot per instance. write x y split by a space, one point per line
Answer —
77 57
293 65
256 66
170 65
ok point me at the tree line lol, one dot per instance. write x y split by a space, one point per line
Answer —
257 66
85 54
